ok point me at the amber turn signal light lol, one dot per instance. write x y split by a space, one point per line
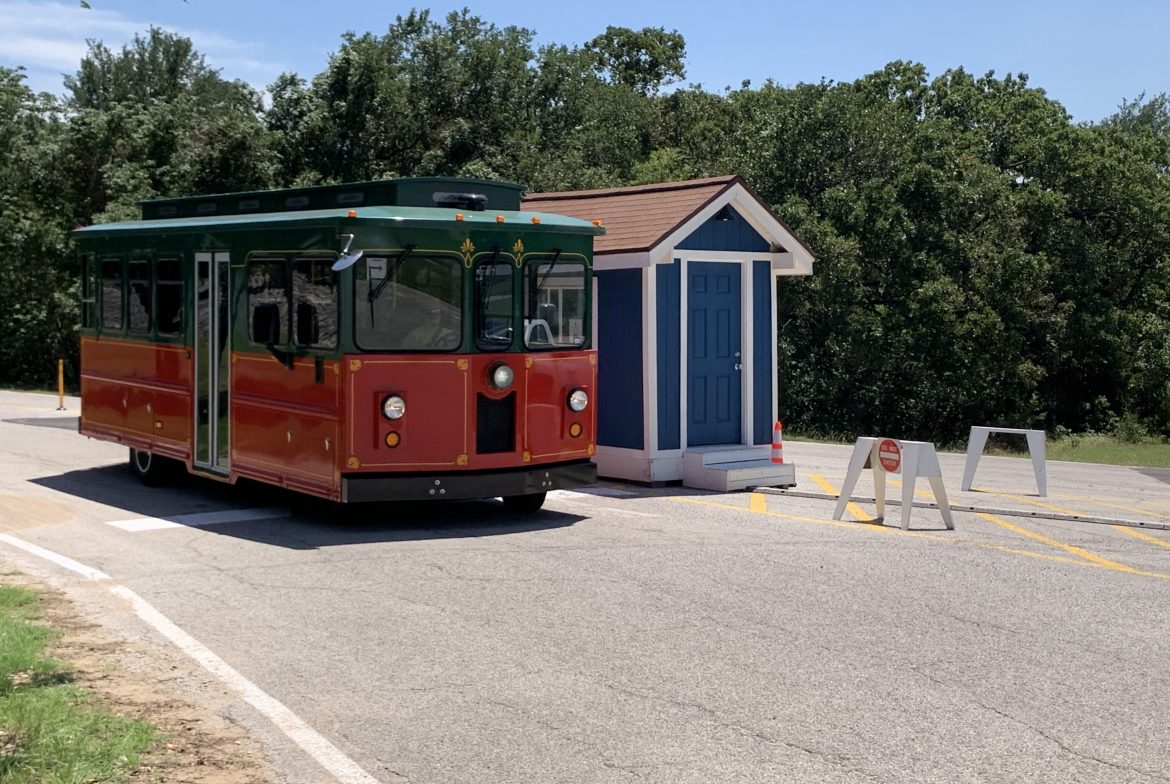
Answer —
393 440
575 429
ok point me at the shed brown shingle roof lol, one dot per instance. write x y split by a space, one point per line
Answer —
635 218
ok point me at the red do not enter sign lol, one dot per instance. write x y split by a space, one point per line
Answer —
890 455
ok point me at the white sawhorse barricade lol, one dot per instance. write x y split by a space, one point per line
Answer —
1036 448
912 459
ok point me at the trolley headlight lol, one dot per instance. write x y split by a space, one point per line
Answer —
500 376
578 400
393 407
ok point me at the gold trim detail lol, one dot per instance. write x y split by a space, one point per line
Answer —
528 362
593 358
461 460
518 248
467 248
463 364
355 365
527 457
353 462
590 449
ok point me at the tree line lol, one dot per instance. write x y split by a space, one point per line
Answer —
981 257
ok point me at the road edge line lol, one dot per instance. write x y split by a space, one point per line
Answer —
313 743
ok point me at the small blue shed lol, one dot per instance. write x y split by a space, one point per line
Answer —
685 328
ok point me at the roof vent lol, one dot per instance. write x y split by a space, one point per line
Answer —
469 201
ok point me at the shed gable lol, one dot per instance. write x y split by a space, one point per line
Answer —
726 230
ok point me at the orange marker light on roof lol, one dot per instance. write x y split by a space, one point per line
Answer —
459 216
499 219
597 222
536 219
353 213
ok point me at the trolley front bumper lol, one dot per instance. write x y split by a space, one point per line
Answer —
462 486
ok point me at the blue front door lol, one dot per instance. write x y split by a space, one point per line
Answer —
714 357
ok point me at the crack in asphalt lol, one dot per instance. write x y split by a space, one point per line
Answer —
1048 736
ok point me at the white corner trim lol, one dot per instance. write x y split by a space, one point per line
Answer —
747 370
650 358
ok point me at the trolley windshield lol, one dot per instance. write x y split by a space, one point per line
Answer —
408 302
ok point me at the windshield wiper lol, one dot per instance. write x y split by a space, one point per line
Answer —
540 284
376 291
486 294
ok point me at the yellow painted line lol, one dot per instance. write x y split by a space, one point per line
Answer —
759 503
917 491
853 508
1144 536
949 539
1080 552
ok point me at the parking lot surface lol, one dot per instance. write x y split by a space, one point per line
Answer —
645 634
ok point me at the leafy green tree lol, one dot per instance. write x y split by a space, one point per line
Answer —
38 304
644 60
154 119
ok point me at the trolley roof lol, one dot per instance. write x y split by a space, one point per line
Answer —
419 202
414 217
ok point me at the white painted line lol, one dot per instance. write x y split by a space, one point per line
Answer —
198 520
611 492
576 497
61 560
317 746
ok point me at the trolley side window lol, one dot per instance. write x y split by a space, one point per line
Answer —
495 313
88 289
408 302
169 296
113 285
268 296
315 303
140 300
554 304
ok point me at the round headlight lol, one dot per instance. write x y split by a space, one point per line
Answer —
578 400
394 407
500 376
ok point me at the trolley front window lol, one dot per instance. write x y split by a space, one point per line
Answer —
554 303
408 302
495 315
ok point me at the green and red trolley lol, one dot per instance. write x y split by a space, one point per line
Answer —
399 339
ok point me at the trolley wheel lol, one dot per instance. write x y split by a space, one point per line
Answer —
151 469
524 504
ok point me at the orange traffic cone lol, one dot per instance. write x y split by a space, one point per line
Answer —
778 443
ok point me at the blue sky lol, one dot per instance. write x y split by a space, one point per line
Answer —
1087 55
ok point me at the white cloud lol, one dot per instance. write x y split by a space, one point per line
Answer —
49 40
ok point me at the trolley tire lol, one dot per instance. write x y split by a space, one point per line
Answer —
524 504
150 469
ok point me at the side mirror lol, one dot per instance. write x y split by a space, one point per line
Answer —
266 324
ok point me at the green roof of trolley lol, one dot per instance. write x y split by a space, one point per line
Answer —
415 217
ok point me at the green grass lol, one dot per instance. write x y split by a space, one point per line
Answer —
1150 453
51 731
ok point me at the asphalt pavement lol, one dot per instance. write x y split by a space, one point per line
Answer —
644 634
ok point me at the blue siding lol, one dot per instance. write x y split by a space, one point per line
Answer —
669 354
763 335
734 234
619 358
